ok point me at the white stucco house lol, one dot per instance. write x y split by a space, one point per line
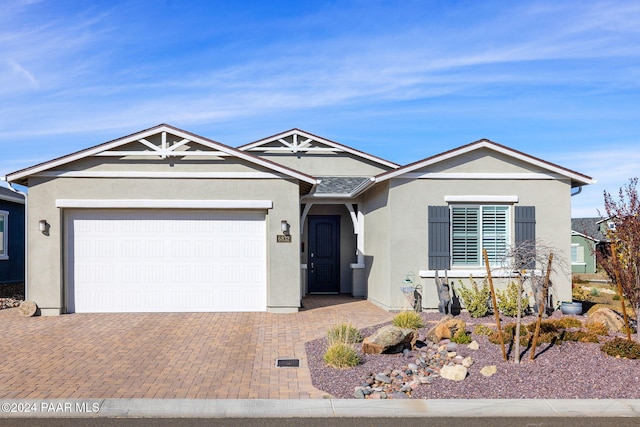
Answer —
166 220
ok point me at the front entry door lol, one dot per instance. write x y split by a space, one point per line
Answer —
324 254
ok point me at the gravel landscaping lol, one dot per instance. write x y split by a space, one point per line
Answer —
569 370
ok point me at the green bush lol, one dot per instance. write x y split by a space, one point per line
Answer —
476 299
508 300
408 319
594 292
341 355
483 330
620 347
462 337
343 333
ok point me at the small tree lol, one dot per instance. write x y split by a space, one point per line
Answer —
624 212
530 260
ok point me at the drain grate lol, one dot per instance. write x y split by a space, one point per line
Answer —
288 363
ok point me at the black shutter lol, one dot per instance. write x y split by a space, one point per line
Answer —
439 238
525 224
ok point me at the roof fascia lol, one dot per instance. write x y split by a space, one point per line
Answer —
12 177
574 176
322 140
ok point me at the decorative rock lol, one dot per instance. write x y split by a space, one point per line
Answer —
383 378
399 395
473 345
454 373
27 308
446 328
359 393
452 346
488 371
406 352
412 366
611 319
467 362
389 339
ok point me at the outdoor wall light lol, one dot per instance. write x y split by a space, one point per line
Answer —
284 226
42 225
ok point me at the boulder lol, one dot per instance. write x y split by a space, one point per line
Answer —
473 345
446 329
611 319
488 371
453 372
27 308
389 339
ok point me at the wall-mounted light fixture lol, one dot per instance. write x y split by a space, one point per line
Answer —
43 226
284 226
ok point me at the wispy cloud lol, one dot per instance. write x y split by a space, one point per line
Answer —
19 69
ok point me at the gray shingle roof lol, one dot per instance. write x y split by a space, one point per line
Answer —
9 194
340 184
589 227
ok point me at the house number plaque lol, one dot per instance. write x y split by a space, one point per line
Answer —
283 238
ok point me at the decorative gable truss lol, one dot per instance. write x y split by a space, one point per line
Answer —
161 142
297 141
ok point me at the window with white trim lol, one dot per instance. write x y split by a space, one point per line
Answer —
577 254
4 225
476 227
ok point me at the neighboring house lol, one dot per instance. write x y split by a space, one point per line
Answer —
11 236
586 238
166 220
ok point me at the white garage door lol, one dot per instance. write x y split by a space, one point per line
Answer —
166 261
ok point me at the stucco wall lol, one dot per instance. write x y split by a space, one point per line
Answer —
376 244
335 164
46 260
408 203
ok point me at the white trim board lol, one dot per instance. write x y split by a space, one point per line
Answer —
481 175
163 204
481 199
156 174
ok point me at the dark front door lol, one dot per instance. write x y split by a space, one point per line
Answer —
324 254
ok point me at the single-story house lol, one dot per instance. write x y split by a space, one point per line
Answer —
166 220
586 239
12 268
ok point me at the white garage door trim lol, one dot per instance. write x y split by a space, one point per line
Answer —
165 260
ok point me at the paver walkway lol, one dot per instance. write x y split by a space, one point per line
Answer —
169 355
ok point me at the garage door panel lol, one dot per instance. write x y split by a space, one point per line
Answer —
144 261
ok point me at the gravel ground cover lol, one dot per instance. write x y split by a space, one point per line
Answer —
566 371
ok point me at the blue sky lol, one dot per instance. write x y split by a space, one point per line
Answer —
402 80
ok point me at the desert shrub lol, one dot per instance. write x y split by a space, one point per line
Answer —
476 299
344 333
341 355
408 319
616 297
594 292
598 328
579 336
508 300
483 330
569 322
462 337
620 347
580 294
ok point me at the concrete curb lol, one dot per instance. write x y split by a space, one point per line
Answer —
327 408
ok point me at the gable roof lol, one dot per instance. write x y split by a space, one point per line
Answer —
589 228
216 148
303 141
577 179
11 196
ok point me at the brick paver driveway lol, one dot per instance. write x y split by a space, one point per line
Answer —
169 355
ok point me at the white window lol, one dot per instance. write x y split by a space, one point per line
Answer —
577 254
477 227
4 225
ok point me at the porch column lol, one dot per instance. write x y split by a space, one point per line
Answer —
358 268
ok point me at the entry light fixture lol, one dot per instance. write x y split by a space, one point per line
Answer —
42 225
284 226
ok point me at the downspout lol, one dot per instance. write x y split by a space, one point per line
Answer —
577 192
26 228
